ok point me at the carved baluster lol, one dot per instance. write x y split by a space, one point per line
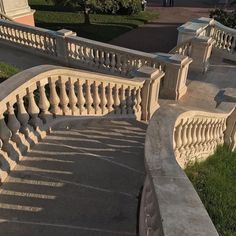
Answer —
129 101
103 98
14 125
72 98
214 139
189 135
88 97
107 60
233 45
91 57
64 100
137 105
96 98
222 129
178 139
81 99
110 100
194 135
117 99
184 137
123 100
118 63
204 134
54 99
97 58
124 66
44 104
33 111
113 62
102 59
8 146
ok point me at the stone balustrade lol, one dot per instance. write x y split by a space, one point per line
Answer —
223 38
175 136
35 99
68 49
197 135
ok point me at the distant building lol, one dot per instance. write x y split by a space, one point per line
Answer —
19 10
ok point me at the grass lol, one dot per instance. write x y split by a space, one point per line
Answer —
7 71
104 27
215 182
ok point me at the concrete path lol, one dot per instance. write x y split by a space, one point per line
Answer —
81 180
161 35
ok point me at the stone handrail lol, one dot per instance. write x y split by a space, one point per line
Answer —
29 38
225 37
68 49
5 17
175 136
33 100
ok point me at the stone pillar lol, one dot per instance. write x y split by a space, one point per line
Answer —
176 72
18 10
61 44
150 90
230 132
201 52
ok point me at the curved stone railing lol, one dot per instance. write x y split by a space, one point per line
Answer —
33 100
197 135
175 136
225 38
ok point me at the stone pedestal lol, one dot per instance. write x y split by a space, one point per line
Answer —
18 10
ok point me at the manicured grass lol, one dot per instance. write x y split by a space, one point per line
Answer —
215 182
104 27
7 71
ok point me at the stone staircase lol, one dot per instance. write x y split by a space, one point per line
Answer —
82 179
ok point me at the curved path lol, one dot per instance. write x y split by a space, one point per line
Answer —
84 179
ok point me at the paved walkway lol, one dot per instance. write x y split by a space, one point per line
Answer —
161 35
84 180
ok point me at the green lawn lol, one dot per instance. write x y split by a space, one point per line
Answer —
104 27
7 71
215 182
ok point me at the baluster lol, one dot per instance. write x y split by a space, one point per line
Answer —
96 98
103 98
8 146
110 100
44 104
117 100
189 136
123 100
54 99
33 111
208 127
178 139
14 126
214 139
91 57
23 117
137 105
97 59
102 59
233 45
107 60
88 96
64 100
72 98
184 137
118 62
81 99
124 66
113 62
194 136
204 134
129 101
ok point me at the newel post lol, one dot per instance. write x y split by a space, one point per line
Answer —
201 52
176 68
61 44
150 90
230 132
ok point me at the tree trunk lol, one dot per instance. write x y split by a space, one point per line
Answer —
86 15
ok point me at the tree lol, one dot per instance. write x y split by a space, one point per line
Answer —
105 6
